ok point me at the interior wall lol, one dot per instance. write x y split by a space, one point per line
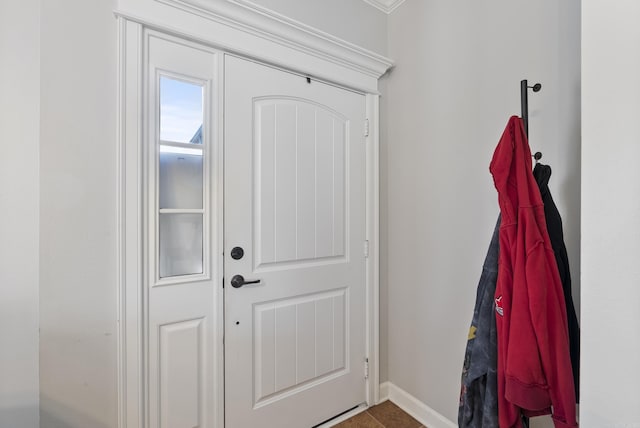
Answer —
19 192
455 84
78 210
77 215
351 20
610 214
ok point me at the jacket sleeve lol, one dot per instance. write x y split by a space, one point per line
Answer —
549 320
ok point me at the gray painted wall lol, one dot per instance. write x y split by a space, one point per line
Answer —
19 189
351 20
610 214
459 66
445 105
77 215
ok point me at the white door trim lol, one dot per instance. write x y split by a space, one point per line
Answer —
247 19
373 238
245 29
274 40
130 208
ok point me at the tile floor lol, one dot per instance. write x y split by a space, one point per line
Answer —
384 415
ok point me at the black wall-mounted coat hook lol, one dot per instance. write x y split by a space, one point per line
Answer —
537 156
524 101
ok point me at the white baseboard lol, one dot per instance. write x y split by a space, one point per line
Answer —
416 408
384 391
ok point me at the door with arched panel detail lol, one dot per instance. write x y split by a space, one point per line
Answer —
295 295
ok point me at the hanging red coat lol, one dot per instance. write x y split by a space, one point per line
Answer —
534 367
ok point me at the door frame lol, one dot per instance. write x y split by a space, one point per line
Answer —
240 28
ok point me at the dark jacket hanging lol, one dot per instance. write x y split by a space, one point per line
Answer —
542 174
479 387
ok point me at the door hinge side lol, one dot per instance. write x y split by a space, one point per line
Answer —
366 248
366 368
366 127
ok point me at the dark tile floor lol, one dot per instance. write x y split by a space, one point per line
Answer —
384 415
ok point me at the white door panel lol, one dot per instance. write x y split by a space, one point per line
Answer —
182 265
295 202
300 198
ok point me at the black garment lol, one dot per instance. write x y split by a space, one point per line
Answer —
478 406
542 173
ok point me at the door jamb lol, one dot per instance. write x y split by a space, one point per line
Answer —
373 237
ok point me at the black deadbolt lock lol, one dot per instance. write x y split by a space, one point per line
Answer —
237 253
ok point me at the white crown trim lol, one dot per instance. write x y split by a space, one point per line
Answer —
387 6
246 16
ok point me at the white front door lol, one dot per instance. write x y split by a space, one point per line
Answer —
295 344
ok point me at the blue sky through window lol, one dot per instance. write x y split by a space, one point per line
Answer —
180 110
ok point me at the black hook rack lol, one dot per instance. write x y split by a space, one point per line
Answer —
524 102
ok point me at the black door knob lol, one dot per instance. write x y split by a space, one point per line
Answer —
237 253
238 281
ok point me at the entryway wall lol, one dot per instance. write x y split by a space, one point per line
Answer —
446 103
78 211
352 20
19 199
77 201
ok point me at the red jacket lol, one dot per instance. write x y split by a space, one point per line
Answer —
534 367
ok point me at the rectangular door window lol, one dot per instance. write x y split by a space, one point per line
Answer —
180 111
181 178
180 244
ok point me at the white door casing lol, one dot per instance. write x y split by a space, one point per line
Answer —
295 184
209 27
